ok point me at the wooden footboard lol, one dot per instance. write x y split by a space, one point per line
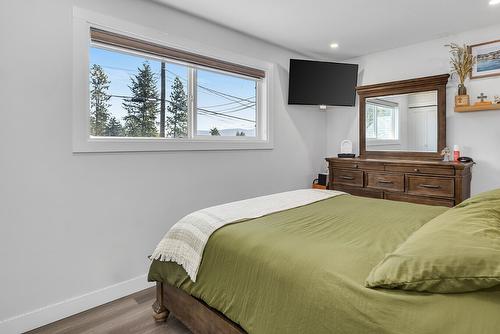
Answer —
193 313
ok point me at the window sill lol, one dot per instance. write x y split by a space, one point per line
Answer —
97 145
385 142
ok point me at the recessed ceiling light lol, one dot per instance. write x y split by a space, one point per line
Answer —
494 2
335 45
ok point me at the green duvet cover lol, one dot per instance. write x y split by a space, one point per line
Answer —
303 271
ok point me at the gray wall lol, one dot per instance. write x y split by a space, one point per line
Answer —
75 223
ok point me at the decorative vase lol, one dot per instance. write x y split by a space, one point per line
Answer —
462 90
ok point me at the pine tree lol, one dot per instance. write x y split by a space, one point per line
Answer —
177 118
142 108
99 100
114 128
214 131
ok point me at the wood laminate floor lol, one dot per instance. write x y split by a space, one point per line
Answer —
128 315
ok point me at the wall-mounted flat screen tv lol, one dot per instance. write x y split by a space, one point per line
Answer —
322 83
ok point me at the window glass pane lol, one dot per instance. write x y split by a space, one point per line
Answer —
226 105
124 94
385 123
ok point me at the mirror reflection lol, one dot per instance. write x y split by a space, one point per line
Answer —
406 122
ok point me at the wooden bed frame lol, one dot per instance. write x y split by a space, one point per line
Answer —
192 312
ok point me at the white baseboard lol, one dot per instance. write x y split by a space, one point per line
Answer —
50 313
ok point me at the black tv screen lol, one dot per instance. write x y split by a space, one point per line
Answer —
322 83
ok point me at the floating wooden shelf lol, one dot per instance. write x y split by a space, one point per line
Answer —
478 108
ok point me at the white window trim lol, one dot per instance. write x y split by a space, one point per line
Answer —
83 20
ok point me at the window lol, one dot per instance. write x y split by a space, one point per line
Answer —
147 96
382 120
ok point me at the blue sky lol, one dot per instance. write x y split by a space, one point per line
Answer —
121 66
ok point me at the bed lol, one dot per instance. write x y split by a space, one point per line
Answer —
303 270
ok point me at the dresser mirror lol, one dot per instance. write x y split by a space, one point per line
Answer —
403 119
402 123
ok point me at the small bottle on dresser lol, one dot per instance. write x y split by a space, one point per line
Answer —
456 152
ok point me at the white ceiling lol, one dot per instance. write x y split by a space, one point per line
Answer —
359 26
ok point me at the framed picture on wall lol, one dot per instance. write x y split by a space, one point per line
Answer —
488 59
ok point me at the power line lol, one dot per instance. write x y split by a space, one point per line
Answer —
221 105
199 109
243 102
225 115
227 96
216 92
213 90
228 110
232 110
217 117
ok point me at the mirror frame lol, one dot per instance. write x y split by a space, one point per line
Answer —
424 84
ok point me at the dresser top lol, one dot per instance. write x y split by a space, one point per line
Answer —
388 161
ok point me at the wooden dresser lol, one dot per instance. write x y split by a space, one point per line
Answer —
425 182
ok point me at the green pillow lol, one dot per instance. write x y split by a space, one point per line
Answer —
458 251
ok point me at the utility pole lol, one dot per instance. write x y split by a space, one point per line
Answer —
162 102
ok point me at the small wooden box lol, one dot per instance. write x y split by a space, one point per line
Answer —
462 101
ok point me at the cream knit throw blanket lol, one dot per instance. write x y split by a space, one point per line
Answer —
185 241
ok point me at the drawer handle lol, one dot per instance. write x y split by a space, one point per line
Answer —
346 177
355 166
385 182
429 186
416 170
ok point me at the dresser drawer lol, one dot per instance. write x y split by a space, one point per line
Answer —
430 186
421 170
357 191
385 181
419 200
348 177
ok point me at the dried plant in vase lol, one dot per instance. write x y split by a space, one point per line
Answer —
462 61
